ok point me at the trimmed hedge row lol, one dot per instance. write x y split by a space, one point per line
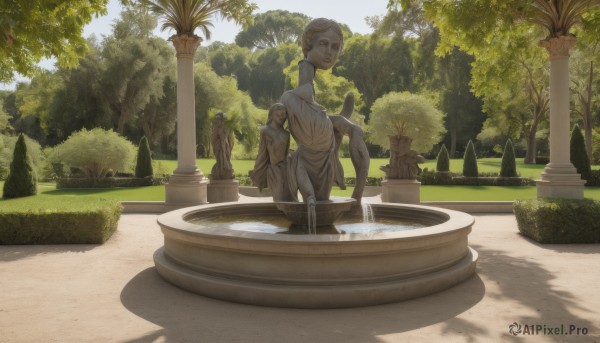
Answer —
72 220
559 220
107 182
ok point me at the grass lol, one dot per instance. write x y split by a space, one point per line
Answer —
485 165
428 193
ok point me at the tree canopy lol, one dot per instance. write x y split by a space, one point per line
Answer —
36 29
273 28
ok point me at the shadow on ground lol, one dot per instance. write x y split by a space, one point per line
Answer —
189 317
552 305
9 253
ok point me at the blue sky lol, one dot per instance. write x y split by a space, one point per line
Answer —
350 12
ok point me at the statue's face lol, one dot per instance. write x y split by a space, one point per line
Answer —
279 117
325 49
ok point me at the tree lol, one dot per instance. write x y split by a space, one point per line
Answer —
21 179
135 66
377 65
443 160
272 28
268 72
508 168
406 114
36 29
579 156
470 161
232 60
95 152
143 165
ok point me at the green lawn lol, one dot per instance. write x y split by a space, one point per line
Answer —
428 193
485 165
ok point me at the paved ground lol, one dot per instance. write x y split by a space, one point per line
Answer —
111 293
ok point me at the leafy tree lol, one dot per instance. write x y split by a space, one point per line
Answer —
95 152
273 28
443 160
135 66
232 60
79 101
268 73
5 126
406 114
579 156
21 179
143 165
470 161
36 29
377 65
464 116
220 93
508 168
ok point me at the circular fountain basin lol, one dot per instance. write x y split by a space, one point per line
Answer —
333 269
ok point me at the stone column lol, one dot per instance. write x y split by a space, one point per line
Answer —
559 178
187 186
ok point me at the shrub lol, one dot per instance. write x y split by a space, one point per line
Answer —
107 182
143 166
406 114
579 156
443 160
21 180
470 161
72 220
95 152
559 220
7 145
508 167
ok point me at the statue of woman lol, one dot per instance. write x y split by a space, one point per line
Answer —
270 167
222 143
312 167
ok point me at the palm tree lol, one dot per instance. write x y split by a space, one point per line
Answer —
559 16
187 185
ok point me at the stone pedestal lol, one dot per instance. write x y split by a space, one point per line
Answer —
560 181
185 191
223 190
401 191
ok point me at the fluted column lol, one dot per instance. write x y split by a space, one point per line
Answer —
559 178
187 186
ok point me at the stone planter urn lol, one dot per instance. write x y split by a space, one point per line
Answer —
400 184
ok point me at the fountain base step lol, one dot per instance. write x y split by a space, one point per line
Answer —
343 295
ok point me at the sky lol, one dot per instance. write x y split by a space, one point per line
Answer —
350 12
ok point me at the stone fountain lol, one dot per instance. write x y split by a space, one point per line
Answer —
261 253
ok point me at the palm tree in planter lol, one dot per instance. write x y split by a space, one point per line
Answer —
188 185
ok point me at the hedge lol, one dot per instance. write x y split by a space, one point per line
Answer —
107 182
559 220
44 220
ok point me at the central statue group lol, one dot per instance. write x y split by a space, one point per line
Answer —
315 166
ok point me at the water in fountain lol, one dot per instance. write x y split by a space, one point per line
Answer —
367 211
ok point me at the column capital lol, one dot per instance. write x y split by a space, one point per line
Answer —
558 47
185 45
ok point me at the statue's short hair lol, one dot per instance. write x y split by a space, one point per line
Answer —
316 26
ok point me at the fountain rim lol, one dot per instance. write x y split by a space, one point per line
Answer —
176 221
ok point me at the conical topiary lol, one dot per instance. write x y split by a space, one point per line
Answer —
143 166
443 160
579 156
21 181
470 161
508 168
